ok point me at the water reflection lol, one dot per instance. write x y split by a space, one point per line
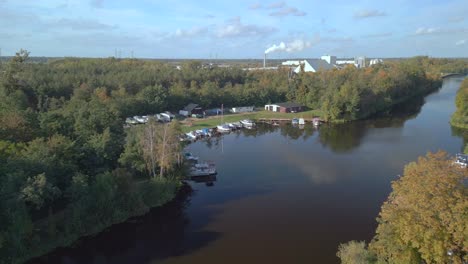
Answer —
339 138
161 234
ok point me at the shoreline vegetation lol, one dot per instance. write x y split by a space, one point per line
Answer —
460 117
69 169
423 219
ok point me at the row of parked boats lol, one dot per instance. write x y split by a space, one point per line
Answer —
223 128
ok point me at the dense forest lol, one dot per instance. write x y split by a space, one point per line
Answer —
69 168
423 219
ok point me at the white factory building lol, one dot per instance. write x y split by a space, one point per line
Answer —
309 65
328 62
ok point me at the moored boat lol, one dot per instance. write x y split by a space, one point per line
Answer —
191 135
202 169
223 128
189 156
295 121
461 160
247 123
316 122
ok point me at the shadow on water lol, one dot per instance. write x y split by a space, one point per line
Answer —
158 235
342 138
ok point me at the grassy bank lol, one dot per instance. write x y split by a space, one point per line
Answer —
194 123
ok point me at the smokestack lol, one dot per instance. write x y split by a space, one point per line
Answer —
264 61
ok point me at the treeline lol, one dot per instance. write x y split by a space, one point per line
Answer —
135 87
423 219
66 167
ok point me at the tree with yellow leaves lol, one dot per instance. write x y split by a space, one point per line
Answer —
425 216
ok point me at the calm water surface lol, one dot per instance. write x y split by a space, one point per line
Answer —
283 194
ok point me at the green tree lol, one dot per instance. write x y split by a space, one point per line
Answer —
38 191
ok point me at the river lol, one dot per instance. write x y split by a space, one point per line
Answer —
282 194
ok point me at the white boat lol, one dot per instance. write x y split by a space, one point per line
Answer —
237 124
223 128
191 135
247 123
295 121
189 156
461 160
301 121
316 122
202 169
232 126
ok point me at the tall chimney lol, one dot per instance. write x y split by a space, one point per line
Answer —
264 61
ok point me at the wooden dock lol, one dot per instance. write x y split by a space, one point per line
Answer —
288 119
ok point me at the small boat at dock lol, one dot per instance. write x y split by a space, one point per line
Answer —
247 123
223 128
295 121
301 121
316 122
202 169
461 160
189 156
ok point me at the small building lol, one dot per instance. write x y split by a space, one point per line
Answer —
243 109
285 107
191 109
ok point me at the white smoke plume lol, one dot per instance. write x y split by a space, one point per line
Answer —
293 46
275 47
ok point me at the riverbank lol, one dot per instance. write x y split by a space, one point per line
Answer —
64 228
191 124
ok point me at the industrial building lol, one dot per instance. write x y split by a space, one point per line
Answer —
309 65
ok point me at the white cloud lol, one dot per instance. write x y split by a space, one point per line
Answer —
280 4
435 30
368 14
279 9
427 31
286 11
193 32
235 28
461 42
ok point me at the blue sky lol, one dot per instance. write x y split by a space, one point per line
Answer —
235 29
